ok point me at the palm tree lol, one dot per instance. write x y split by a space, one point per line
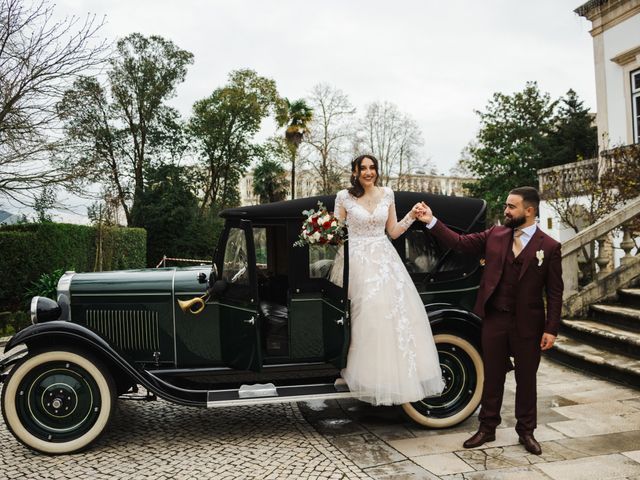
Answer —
296 117
269 181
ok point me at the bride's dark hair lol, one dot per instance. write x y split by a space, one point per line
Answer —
356 167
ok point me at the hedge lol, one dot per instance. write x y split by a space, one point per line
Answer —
27 251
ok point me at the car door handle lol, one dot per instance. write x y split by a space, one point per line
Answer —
340 321
250 321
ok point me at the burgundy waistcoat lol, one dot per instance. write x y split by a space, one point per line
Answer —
504 296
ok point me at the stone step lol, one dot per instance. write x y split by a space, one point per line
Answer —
629 297
612 366
617 316
603 336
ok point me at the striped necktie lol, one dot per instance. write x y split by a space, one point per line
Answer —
517 242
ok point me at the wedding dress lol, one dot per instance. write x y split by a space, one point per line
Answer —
392 358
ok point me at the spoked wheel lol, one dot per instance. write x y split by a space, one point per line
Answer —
58 401
463 374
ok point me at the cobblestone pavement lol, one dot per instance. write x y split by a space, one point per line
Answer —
589 429
160 440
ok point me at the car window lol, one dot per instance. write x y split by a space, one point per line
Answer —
423 255
260 242
321 260
236 267
421 252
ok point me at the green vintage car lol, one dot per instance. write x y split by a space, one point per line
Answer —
262 324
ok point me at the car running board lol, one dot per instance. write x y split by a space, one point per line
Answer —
260 394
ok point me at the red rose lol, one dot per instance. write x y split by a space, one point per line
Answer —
326 225
314 220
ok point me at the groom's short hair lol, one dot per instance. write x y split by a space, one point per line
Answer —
530 196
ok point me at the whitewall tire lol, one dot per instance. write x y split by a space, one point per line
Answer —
58 401
463 372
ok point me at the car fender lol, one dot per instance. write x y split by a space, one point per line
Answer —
448 317
62 333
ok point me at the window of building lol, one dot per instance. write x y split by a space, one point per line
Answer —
635 104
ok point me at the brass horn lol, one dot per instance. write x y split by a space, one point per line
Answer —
199 302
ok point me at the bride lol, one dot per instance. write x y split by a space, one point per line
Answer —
392 357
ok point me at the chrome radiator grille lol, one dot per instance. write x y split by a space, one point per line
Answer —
126 329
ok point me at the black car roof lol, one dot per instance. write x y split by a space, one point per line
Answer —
467 214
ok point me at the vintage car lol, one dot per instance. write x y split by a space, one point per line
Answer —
262 324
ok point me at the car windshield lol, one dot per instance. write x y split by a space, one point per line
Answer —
235 269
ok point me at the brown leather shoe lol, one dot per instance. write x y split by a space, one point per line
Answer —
479 438
530 444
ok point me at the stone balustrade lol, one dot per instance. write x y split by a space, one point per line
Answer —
609 278
568 179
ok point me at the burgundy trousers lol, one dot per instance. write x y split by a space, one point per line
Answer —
499 341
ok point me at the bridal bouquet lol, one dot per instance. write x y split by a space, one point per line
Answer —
321 227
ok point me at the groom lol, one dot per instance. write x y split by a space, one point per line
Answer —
521 262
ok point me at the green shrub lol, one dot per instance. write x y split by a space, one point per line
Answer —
12 322
45 286
31 250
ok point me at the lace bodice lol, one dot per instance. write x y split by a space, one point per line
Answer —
360 222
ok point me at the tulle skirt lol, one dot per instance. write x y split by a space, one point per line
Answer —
392 357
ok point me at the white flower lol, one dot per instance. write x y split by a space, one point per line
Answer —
316 236
334 223
330 236
540 257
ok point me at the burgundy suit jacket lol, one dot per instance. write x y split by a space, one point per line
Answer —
535 278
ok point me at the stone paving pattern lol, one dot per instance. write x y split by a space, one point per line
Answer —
589 429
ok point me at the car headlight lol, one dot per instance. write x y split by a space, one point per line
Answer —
44 309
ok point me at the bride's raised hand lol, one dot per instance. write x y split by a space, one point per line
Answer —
426 215
417 210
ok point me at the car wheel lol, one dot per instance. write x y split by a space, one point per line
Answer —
463 372
58 401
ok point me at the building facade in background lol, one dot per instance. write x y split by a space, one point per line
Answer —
616 51
307 185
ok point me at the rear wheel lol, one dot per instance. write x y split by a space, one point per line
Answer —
463 374
58 401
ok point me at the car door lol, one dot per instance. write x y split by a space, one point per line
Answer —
238 303
319 316
336 324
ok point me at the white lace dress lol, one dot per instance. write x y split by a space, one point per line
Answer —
392 358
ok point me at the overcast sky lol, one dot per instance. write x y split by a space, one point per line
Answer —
437 60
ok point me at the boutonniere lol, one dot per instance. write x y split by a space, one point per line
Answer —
540 256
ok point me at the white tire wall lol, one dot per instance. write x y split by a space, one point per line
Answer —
100 376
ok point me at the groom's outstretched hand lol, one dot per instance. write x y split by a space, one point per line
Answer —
547 341
426 215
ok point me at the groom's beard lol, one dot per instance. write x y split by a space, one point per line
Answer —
514 222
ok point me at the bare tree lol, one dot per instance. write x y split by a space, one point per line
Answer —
39 59
393 137
329 132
